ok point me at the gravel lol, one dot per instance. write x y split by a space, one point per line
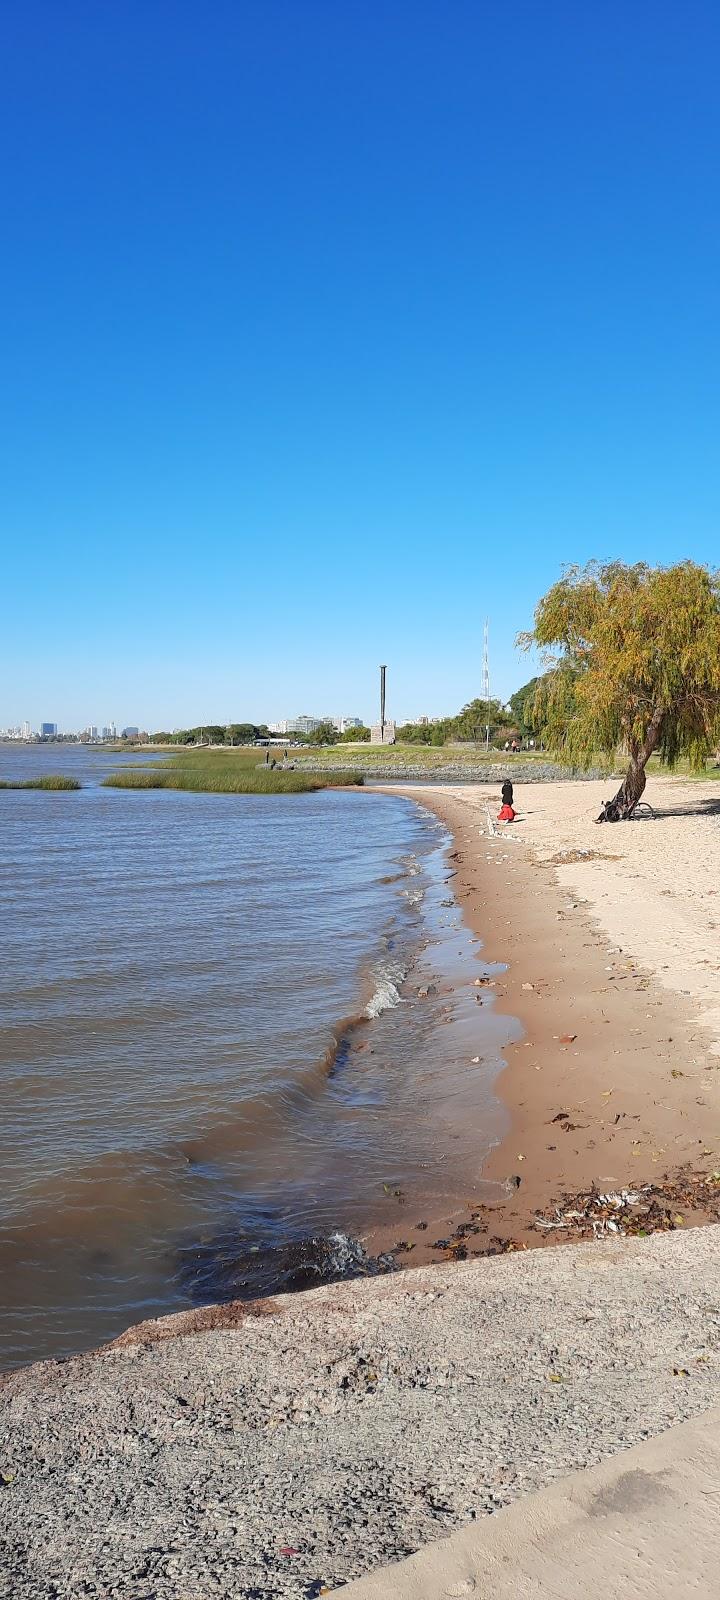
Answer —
327 1433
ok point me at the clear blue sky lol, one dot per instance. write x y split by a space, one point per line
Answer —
332 326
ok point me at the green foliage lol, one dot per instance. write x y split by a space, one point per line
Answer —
475 717
324 734
54 782
469 726
635 663
428 733
355 736
216 733
521 705
245 732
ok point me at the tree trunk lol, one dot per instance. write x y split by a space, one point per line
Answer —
622 804
630 789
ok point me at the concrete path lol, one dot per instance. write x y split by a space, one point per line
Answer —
643 1526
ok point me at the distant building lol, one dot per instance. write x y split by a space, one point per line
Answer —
130 733
109 731
305 724
48 730
301 724
26 730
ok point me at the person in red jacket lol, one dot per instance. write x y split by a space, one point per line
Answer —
506 813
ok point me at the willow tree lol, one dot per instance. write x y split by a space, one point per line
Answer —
632 657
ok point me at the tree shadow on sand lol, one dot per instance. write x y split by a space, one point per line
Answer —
702 807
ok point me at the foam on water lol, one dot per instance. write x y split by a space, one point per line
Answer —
385 997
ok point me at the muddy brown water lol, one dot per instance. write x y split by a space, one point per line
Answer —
211 1032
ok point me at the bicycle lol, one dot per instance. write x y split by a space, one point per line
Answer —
611 812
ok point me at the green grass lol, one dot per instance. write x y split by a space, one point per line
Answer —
710 772
53 781
224 772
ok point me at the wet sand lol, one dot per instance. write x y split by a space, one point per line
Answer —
613 968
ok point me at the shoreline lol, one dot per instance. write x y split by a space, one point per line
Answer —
614 1083
287 1445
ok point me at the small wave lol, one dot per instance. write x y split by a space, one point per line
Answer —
386 994
235 1266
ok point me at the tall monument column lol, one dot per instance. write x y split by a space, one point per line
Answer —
382 732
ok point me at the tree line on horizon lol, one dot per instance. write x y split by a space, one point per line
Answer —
630 663
513 720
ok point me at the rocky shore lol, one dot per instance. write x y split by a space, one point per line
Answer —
449 771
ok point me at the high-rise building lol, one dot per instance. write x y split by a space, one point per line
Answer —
130 733
296 725
26 730
48 730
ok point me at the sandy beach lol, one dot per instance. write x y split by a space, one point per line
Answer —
611 936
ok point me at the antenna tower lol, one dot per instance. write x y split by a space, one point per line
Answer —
486 662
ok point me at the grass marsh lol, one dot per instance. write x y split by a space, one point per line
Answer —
224 772
52 781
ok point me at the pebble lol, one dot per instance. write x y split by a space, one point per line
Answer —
340 1428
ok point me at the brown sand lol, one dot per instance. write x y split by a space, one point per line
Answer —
613 968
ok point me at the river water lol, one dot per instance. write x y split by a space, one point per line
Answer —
212 1042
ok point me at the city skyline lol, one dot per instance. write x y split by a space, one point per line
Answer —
301 722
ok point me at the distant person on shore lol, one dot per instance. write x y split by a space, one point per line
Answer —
506 813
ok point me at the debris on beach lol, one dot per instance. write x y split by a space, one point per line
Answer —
651 1208
565 858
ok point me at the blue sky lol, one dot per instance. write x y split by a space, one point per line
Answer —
330 328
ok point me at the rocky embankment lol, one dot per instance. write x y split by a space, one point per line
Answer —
273 1451
449 772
